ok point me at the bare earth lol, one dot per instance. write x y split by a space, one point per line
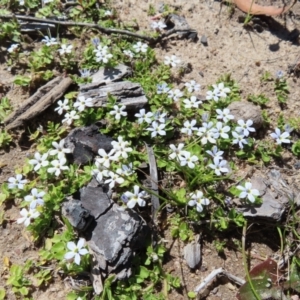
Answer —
244 53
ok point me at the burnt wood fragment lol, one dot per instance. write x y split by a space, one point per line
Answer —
85 142
38 102
126 93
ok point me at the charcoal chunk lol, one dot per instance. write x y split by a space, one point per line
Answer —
85 142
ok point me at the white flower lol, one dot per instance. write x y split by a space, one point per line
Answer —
192 86
17 181
27 216
143 116
159 117
49 41
189 127
100 50
39 161
81 103
198 200
65 49
221 130
136 197
95 41
62 106
222 91
193 102
85 73
21 2
175 95
248 192
118 111
162 88
219 166
140 47
239 139
114 178
36 198
127 170
76 251
160 25
215 152
58 166
108 13
213 95
188 159
121 147
224 115
106 158
209 136
59 150
245 128
70 117
205 127
280 137
103 56
128 53
177 152
100 172
205 117
12 48
157 129
171 60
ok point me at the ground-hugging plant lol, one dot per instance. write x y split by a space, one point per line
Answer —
198 141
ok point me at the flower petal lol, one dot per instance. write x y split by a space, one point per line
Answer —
77 259
71 246
69 255
80 243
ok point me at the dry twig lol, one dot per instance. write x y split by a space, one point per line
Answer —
92 25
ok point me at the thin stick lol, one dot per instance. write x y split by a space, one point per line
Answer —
210 277
92 25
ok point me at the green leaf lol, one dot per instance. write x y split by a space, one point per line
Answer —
2 293
58 247
294 281
144 272
192 295
23 290
264 281
180 196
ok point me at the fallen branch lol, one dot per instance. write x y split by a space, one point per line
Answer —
215 273
38 102
92 25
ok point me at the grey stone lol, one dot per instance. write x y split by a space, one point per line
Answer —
95 200
85 142
107 75
78 216
243 110
203 40
192 254
113 235
180 26
276 195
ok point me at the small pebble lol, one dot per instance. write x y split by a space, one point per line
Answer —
230 286
203 40
297 165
